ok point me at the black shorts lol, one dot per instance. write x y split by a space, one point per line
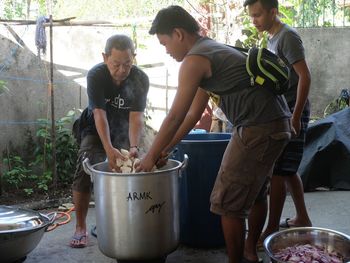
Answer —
288 162
90 147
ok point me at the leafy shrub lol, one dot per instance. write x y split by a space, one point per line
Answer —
34 173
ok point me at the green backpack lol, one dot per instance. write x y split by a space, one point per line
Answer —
266 69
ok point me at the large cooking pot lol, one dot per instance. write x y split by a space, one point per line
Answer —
137 215
20 231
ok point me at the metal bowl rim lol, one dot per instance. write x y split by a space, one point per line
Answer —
295 229
45 218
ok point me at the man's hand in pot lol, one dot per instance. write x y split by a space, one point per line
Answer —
112 155
164 157
134 152
146 164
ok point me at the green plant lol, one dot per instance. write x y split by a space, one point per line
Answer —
33 173
3 87
19 9
314 13
66 150
17 171
338 104
28 191
251 37
14 9
45 181
287 14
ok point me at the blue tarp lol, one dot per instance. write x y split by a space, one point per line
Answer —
326 159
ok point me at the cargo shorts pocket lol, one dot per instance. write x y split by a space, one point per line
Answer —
254 140
281 136
231 199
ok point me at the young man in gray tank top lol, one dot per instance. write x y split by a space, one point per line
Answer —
286 43
260 119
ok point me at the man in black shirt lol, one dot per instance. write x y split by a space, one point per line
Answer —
117 92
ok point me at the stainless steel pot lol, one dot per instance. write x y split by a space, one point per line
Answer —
137 215
20 231
330 240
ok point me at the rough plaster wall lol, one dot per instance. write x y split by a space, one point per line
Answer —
27 79
327 53
75 51
19 105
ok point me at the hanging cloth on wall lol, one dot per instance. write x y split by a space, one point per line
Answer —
40 35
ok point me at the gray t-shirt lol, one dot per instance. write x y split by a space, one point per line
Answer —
288 46
242 104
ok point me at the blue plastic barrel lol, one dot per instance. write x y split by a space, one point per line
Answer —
198 226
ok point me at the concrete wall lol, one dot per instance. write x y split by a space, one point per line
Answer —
28 99
77 49
327 53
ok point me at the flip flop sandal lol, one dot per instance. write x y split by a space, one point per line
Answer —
260 246
284 223
94 231
245 260
79 238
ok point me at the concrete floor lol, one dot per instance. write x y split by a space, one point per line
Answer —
328 209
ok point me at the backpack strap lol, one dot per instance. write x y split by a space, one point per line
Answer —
242 49
247 65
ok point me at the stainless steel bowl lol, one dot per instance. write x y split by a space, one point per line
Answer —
327 238
20 231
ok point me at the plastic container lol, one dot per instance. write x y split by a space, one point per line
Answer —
198 226
196 131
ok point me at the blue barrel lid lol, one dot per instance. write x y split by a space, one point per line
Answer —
206 137
195 131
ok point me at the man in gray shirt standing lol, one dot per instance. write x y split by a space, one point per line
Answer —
286 43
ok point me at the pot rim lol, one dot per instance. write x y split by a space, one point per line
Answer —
139 174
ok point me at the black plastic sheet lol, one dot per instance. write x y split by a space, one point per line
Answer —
326 159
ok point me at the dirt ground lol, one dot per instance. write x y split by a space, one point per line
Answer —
36 200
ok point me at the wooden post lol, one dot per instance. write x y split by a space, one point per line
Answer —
166 91
344 12
0 181
79 96
53 122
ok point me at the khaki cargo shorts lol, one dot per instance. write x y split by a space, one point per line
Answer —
247 166
90 147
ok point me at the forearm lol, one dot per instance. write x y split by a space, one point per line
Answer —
102 128
136 127
187 125
302 95
191 118
168 129
192 71
303 89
